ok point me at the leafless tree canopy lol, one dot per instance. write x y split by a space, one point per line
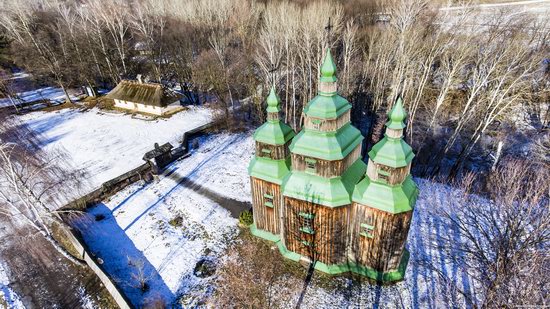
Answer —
501 240
466 77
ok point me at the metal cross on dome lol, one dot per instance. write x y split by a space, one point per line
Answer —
328 28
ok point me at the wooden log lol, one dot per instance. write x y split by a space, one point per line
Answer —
392 176
383 248
266 204
326 168
275 152
326 242
327 125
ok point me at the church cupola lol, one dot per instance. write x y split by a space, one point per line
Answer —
383 202
268 169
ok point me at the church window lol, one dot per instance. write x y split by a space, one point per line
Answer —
268 200
311 165
266 152
316 124
383 173
306 222
367 230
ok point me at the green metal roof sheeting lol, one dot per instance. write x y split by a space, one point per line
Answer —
392 199
393 152
327 145
397 115
274 133
331 192
328 69
266 169
327 106
272 101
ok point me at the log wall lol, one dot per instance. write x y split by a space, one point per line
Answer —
382 252
396 175
327 125
266 218
276 152
329 224
326 168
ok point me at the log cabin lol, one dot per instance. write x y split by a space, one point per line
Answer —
317 199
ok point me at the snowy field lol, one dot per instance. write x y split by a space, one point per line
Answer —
105 145
8 298
53 94
136 226
135 232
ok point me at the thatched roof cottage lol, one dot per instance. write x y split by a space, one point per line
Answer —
150 98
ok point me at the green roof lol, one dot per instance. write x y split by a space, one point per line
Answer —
392 199
397 115
327 106
274 133
331 192
327 145
269 170
328 69
393 152
272 101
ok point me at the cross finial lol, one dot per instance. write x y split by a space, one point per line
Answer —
328 28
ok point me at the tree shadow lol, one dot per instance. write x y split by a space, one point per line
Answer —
118 256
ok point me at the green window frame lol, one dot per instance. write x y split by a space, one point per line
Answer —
306 243
367 230
311 165
268 200
307 230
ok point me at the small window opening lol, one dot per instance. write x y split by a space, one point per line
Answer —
268 200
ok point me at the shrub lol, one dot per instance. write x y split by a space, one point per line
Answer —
176 222
245 218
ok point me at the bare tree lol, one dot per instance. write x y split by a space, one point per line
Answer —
501 241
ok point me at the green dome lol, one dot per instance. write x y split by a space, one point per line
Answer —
328 69
266 169
392 152
331 192
272 101
397 115
327 107
274 133
392 199
327 145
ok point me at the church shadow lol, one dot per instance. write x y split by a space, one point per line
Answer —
118 255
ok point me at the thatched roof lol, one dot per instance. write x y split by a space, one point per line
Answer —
145 93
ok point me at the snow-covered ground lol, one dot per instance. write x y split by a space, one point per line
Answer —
53 94
106 145
8 298
136 228
137 225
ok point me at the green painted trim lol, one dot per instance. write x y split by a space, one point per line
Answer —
263 234
274 133
274 171
330 192
268 196
393 199
307 230
335 145
328 68
269 204
336 269
327 106
392 152
391 276
307 215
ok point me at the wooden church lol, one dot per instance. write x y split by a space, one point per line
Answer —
314 196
